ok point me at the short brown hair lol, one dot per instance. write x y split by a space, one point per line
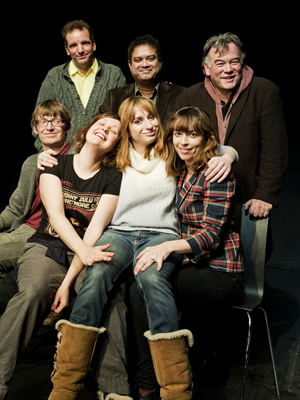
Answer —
76 24
52 108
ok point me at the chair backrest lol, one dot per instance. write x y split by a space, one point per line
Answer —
253 234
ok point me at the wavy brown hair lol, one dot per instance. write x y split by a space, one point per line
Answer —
79 139
127 115
189 119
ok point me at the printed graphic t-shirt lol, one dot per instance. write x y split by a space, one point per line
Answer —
81 196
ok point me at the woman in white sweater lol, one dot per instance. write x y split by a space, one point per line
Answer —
144 217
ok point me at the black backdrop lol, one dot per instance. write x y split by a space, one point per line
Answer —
32 44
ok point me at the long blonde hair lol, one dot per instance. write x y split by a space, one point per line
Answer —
127 115
185 120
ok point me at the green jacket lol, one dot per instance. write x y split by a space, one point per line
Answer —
59 86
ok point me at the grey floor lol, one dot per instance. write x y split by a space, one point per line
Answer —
220 376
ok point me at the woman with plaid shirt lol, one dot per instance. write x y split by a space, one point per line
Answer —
211 268
205 214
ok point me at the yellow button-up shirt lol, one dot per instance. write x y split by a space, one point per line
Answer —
84 83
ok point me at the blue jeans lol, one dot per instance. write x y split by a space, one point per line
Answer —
153 285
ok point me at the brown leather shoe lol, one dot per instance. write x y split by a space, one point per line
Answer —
52 318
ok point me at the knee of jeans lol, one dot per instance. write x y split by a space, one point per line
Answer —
149 279
99 274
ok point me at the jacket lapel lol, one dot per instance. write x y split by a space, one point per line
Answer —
236 111
163 99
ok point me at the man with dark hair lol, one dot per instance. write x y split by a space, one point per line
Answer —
80 84
142 40
145 64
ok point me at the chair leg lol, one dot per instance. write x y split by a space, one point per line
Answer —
247 354
271 352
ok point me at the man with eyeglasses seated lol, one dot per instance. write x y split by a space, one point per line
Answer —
20 218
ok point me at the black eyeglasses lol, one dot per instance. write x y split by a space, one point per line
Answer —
53 122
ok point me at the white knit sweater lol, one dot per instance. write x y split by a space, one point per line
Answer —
147 197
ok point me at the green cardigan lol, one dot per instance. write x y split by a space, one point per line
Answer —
59 86
16 212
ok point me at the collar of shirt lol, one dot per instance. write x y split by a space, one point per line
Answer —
84 83
154 93
73 70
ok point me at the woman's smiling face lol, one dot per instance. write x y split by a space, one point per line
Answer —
143 129
106 132
187 144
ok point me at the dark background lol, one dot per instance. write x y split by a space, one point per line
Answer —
32 45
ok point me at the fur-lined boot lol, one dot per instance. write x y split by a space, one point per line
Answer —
75 348
171 363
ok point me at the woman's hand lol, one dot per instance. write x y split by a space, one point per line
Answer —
61 299
150 255
90 255
218 168
46 159
159 253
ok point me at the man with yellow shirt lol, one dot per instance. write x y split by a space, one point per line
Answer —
84 83
80 84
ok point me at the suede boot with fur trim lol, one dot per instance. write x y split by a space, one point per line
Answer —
75 348
171 363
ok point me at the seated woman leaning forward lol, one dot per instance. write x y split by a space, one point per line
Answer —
79 196
210 267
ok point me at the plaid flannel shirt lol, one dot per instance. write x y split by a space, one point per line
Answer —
205 218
